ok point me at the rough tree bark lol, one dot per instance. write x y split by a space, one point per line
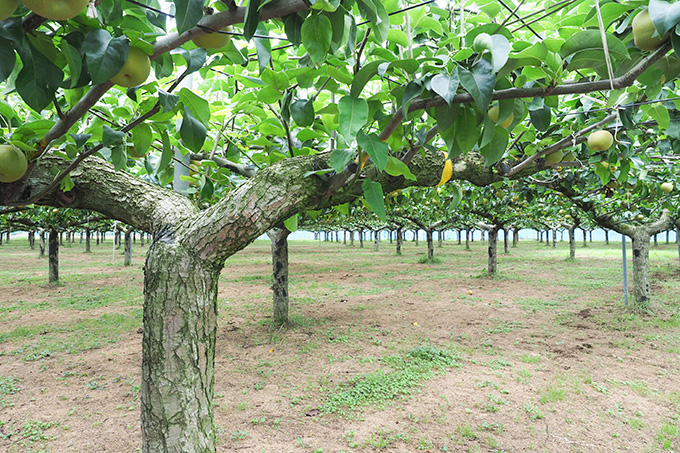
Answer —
279 245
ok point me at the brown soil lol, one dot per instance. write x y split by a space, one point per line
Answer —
545 365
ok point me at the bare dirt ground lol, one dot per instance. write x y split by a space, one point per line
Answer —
545 358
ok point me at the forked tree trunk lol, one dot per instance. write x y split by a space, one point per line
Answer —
430 244
279 245
54 256
400 239
180 306
127 260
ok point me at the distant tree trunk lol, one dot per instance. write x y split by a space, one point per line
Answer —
415 236
61 238
400 239
506 250
585 244
554 241
493 255
88 234
467 239
656 242
677 239
515 237
31 239
606 237
361 239
141 238
53 256
68 238
351 238
42 243
440 238
127 260
279 243
572 242
344 237
97 236
460 236
116 238
430 244
590 235
668 232
484 236
539 236
376 240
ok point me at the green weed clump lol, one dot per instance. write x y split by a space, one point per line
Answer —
410 369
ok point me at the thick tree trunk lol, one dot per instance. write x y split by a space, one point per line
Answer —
641 285
180 303
88 240
31 239
400 239
127 260
279 245
493 253
430 244
53 257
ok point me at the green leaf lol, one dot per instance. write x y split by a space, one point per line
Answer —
252 19
199 106
316 36
479 82
73 59
412 91
446 86
500 52
540 114
142 137
207 188
188 13
192 131
38 80
168 101
302 111
377 150
352 116
591 40
375 198
493 152
395 167
381 25
291 223
277 80
111 137
7 59
292 25
467 129
105 55
456 195
362 77
166 156
603 173
195 58
340 158
263 47
664 15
